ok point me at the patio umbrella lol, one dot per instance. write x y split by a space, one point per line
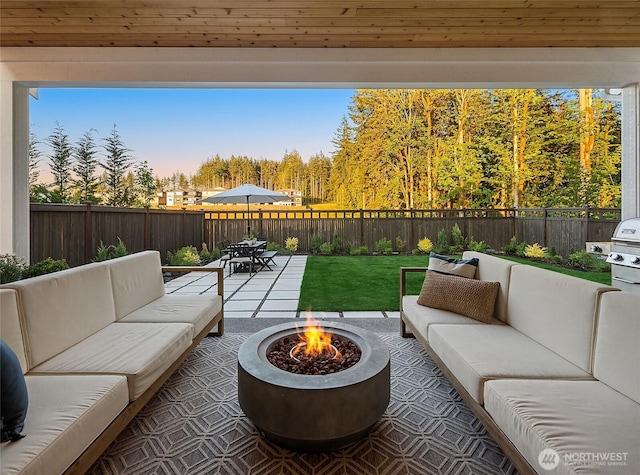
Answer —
247 194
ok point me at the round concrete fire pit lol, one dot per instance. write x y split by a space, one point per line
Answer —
313 413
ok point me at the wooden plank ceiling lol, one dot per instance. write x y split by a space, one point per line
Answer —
321 23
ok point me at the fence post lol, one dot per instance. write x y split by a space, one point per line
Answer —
183 227
586 223
88 233
544 231
362 227
146 237
412 241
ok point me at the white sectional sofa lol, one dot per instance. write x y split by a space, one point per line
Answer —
95 343
554 378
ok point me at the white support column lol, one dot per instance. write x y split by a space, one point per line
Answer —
14 162
631 151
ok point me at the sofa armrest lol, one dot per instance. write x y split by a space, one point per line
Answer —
403 291
403 278
217 270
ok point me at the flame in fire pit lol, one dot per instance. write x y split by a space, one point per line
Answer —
315 342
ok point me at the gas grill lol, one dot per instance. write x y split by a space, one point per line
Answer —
625 256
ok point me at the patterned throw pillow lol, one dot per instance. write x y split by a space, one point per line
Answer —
449 265
13 388
469 297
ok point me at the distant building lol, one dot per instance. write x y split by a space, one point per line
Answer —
295 195
179 197
209 193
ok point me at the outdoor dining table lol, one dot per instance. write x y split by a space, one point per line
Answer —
246 254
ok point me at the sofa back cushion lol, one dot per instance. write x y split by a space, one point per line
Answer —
556 310
10 328
63 308
137 280
617 352
494 269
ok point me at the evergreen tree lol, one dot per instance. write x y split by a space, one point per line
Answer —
340 190
34 161
116 166
61 161
85 166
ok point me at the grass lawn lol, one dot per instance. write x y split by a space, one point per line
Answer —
344 283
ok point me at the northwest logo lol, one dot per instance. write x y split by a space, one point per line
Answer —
548 459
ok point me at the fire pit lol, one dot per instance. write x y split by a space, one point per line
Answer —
316 411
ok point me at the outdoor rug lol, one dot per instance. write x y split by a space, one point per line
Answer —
194 425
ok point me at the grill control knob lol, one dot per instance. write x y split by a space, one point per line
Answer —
617 257
635 260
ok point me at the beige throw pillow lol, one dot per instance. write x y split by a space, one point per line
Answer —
469 297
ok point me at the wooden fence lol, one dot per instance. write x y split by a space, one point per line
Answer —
73 232
566 229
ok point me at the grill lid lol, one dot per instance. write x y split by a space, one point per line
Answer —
628 230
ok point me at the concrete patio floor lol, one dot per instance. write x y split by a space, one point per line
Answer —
269 294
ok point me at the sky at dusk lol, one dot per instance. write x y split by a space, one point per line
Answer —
179 129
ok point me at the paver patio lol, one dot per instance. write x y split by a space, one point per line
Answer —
265 294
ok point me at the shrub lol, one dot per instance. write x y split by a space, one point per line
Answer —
515 249
383 246
535 251
478 246
459 242
425 245
11 268
120 250
316 242
336 244
442 243
325 248
46 266
359 251
401 244
274 246
110 252
187 256
103 253
553 259
588 262
206 256
291 244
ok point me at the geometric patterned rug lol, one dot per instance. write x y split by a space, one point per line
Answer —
194 425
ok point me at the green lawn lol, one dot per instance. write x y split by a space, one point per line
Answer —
343 283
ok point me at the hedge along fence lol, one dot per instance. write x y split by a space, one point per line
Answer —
73 232
566 229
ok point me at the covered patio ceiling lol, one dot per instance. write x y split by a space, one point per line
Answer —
321 23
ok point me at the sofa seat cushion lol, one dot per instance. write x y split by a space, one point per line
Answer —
195 310
421 317
479 353
574 418
140 351
66 413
